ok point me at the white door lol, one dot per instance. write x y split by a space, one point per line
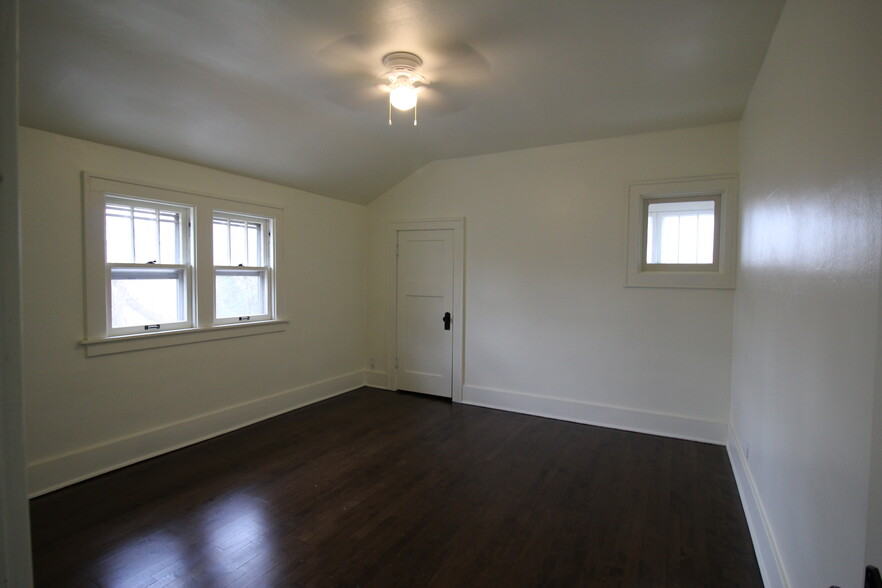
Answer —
424 304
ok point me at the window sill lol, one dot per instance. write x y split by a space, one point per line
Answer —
680 279
126 343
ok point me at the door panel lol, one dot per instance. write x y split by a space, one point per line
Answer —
424 294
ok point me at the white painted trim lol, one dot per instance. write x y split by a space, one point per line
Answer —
724 187
457 324
125 343
376 379
62 470
767 554
615 417
96 286
15 535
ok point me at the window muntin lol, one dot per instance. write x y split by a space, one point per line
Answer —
242 251
239 241
141 232
146 244
681 231
147 257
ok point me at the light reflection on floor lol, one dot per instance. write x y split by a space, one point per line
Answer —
226 539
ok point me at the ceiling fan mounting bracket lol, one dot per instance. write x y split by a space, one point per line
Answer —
403 64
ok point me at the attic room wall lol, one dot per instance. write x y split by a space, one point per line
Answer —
807 303
550 328
84 415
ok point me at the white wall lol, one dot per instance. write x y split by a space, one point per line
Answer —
549 326
806 305
85 415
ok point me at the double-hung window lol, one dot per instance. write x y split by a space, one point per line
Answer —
242 268
147 250
167 267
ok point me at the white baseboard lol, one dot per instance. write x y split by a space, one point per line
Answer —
376 379
62 470
615 417
764 545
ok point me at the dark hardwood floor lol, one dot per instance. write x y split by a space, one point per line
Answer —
376 488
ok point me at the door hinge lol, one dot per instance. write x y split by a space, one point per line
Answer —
396 251
396 363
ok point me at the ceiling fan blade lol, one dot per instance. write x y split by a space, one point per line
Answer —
348 72
358 52
353 91
438 99
456 62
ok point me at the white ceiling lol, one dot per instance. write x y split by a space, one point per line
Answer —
286 90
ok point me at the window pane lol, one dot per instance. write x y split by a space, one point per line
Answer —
118 234
688 242
680 232
144 297
169 237
238 250
669 241
705 253
221 241
146 235
254 240
140 234
238 242
240 293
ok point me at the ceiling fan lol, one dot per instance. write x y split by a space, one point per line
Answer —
362 72
405 81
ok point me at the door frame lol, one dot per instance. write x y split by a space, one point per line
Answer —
457 323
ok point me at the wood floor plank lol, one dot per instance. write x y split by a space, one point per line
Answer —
376 488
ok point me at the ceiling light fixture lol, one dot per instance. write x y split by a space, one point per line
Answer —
403 75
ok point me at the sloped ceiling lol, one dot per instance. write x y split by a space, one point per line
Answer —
287 90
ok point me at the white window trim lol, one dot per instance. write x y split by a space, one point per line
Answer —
97 341
720 274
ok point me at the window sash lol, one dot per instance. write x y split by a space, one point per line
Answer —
226 310
134 217
182 276
250 257
197 212
655 242
240 240
651 233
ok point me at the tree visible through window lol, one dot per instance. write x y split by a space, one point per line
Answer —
147 256
164 260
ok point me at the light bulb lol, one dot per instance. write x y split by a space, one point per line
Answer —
403 95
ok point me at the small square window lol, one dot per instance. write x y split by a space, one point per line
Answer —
682 233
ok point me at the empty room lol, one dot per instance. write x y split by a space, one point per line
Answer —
411 293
